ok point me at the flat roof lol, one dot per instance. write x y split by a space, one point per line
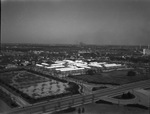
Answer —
95 65
111 65
44 63
57 65
98 63
54 67
80 64
39 65
69 69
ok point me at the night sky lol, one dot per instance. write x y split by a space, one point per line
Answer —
102 22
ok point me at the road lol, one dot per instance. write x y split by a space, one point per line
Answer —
76 100
16 98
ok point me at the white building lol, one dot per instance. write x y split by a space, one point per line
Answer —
45 64
70 71
146 51
78 67
95 64
39 65
113 65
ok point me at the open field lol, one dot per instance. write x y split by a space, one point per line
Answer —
34 86
113 77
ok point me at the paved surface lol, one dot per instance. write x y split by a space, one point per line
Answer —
94 108
76 100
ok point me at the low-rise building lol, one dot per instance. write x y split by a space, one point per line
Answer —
79 67
71 71
11 66
39 65
146 51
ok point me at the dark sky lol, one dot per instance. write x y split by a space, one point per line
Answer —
73 21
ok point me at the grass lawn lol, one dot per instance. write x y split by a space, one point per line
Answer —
113 77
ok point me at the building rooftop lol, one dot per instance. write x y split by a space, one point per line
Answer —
46 64
69 69
95 64
39 65
112 65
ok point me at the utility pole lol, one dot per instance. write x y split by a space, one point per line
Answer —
0 40
140 46
149 103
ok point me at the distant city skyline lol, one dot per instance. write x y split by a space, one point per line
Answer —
100 22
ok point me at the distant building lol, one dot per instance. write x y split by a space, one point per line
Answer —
11 66
78 67
81 44
84 51
45 64
25 63
70 71
146 51
39 65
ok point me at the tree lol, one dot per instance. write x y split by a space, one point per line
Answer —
83 110
91 72
127 95
131 73
79 111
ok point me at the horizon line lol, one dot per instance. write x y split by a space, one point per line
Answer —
84 44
